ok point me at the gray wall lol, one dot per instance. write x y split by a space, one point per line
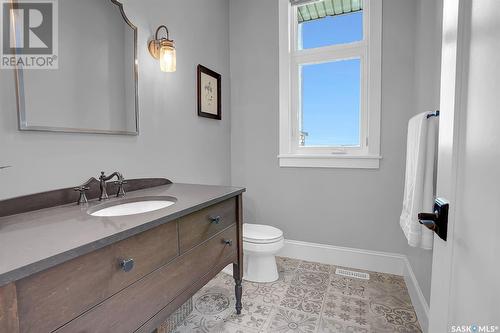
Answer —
342 207
174 141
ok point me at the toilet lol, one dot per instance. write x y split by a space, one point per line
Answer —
260 245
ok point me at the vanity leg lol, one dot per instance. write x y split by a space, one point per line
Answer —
238 290
238 265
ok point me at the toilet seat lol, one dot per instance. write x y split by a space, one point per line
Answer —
261 234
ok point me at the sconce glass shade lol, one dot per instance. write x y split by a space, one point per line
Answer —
168 58
163 49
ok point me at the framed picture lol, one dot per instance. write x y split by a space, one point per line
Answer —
209 93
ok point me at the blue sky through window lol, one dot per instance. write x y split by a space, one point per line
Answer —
331 91
332 30
330 103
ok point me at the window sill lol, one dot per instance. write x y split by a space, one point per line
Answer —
329 161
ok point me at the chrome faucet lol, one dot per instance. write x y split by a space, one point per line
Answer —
102 185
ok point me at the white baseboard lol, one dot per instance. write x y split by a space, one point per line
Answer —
417 297
383 262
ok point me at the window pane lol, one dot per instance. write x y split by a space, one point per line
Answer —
329 22
331 104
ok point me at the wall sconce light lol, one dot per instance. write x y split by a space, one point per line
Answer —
163 49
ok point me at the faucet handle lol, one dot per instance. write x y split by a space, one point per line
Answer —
83 197
120 182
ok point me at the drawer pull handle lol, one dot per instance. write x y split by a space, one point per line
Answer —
127 265
215 219
228 242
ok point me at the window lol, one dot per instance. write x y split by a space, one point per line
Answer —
330 81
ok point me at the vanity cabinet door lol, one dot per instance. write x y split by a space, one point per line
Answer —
134 306
200 226
49 299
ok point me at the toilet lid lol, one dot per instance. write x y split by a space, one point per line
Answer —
257 233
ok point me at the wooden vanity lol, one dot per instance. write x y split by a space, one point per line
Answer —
133 284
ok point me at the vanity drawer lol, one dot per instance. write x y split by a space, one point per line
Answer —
200 226
132 307
53 297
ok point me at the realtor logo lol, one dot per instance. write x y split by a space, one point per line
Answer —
29 36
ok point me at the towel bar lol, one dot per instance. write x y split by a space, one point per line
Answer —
435 114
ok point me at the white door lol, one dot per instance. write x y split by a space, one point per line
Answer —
466 269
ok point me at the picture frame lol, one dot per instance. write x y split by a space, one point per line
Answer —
209 93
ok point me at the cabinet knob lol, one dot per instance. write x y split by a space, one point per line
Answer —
215 219
127 265
228 242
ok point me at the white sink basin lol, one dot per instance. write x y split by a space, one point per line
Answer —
132 206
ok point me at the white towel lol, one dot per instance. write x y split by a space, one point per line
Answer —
420 179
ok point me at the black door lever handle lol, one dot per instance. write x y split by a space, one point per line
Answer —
428 219
437 221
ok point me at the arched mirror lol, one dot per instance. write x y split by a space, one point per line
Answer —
94 87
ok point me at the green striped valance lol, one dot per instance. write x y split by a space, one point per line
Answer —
308 11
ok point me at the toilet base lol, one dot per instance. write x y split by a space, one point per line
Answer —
257 268
260 268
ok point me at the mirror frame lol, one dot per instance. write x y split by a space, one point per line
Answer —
21 106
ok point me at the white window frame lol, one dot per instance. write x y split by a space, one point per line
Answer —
369 51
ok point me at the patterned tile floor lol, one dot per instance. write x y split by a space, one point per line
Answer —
308 297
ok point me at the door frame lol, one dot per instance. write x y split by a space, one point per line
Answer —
453 117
